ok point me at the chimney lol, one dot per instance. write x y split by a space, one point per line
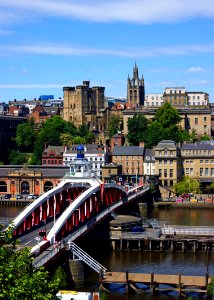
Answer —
142 144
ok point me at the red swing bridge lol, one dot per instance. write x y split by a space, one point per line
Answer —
71 209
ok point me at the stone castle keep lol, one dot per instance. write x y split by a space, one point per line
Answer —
85 105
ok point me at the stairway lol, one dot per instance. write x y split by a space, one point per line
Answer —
79 253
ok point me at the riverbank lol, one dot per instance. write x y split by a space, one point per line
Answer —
186 204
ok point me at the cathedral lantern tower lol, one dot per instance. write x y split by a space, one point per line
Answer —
135 88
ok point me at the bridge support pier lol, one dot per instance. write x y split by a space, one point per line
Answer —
77 273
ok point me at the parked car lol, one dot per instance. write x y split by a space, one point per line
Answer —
7 196
19 196
32 196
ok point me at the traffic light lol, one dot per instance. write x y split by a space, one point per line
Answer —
42 233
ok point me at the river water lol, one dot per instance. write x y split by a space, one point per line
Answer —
146 262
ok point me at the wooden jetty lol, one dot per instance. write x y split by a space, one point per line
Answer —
181 284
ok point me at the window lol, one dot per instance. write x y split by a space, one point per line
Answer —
196 120
212 171
201 161
165 152
187 171
201 172
160 172
171 173
165 162
165 172
206 171
160 152
171 162
191 171
171 152
160 162
205 119
206 161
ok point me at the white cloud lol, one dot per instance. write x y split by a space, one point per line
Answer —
194 70
32 86
64 50
141 11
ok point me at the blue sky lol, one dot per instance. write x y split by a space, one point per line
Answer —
48 44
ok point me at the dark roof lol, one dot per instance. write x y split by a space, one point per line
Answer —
90 148
128 150
47 171
166 144
57 149
149 155
111 165
206 145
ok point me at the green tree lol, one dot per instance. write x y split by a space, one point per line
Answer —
66 139
113 125
137 129
19 279
187 185
90 137
164 127
205 138
85 133
18 158
212 187
25 136
154 135
49 134
167 116
78 140
210 287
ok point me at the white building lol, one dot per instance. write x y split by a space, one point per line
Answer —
149 163
153 100
198 98
96 155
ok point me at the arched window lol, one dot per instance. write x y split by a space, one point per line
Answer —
25 187
3 186
47 186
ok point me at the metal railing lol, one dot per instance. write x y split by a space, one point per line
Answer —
196 231
90 261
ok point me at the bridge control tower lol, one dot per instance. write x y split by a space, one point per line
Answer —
80 167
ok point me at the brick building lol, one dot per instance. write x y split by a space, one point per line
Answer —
29 179
131 159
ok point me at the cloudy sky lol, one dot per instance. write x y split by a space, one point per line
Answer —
48 44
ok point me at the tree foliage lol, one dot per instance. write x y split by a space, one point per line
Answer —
167 116
18 158
187 185
25 136
137 129
113 125
165 126
19 279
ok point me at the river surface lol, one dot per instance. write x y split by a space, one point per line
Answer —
146 262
